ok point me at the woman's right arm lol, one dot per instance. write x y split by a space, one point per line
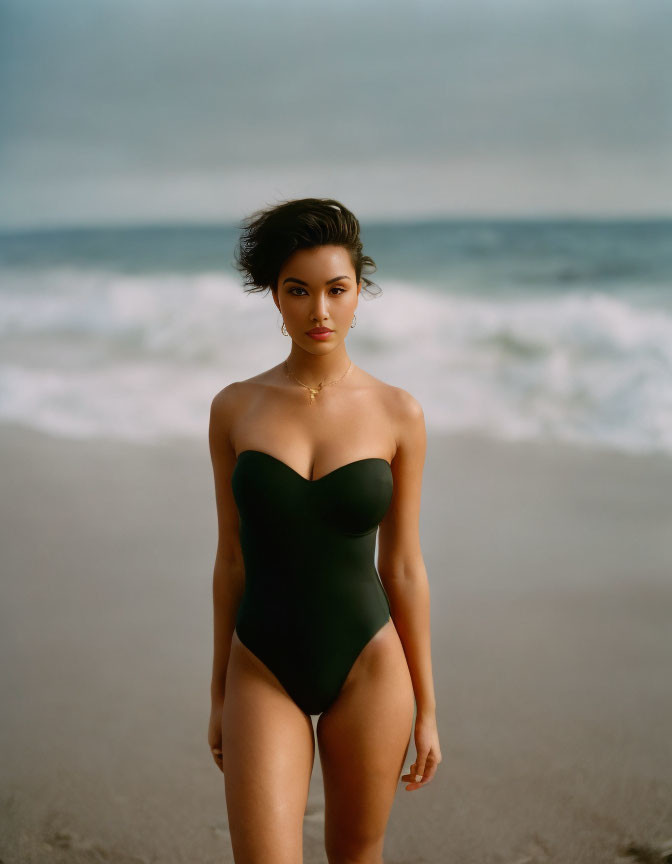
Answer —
229 574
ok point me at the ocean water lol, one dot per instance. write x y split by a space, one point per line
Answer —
518 329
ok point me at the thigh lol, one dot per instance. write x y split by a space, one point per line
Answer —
268 750
363 739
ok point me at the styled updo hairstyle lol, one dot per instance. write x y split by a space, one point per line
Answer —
271 235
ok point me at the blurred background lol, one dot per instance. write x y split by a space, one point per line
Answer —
510 162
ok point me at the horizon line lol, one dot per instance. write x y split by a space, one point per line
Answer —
433 218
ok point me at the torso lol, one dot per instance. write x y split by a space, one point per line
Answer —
318 621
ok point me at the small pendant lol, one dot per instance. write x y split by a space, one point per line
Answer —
314 391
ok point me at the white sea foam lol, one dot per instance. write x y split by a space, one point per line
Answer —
88 353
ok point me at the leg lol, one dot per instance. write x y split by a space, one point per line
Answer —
268 750
363 739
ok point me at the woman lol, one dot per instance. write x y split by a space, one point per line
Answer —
309 459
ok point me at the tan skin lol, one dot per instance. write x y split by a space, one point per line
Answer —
260 739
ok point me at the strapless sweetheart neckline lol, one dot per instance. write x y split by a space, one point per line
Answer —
324 476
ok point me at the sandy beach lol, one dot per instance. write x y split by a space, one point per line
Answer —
550 571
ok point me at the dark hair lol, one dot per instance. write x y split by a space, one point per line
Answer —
271 235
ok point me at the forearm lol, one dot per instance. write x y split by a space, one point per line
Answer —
410 607
227 591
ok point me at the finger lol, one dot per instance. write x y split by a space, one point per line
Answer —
415 780
421 763
430 771
416 785
411 778
412 773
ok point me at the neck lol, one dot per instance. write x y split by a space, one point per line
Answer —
313 369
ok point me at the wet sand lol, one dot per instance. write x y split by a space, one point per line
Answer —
551 576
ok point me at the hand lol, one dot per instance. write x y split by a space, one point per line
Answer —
428 753
215 732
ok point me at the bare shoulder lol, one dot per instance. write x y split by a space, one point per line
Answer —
238 391
396 398
230 399
403 409
225 408
409 424
233 401
405 416
225 402
407 410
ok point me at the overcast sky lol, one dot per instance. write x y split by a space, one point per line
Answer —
159 110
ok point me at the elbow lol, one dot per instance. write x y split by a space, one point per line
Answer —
229 557
404 572
228 582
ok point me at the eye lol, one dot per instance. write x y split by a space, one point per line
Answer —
338 288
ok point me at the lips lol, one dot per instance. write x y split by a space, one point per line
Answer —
317 330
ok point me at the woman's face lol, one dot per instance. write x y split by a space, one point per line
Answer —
317 288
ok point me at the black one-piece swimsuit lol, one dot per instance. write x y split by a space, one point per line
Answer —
313 597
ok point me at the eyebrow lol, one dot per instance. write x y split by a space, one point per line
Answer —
301 282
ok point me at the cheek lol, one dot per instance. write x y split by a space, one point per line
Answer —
343 312
291 310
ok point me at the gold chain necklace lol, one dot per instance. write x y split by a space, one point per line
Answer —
315 390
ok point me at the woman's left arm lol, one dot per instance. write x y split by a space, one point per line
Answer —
403 574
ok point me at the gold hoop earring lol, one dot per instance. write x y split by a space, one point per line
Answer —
354 321
284 329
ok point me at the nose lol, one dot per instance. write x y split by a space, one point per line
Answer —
320 311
